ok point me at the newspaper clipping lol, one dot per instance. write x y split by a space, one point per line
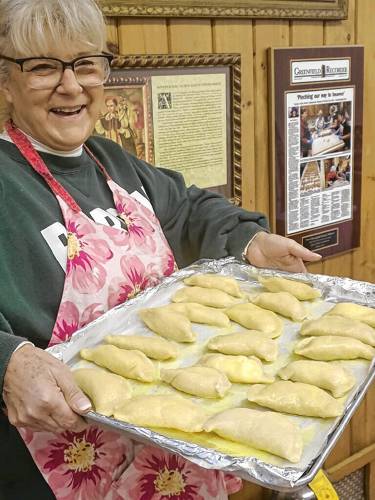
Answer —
319 145
317 120
190 126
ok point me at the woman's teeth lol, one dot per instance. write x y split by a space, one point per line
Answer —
67 111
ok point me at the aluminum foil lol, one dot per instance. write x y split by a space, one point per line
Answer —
264 469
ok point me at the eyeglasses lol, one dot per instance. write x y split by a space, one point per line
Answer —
46 72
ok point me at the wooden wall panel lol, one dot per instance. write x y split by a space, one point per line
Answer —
364 258
306 33
193 36
342 449
112 34
265 34
249 491
143 36
340 33
235 36
363 423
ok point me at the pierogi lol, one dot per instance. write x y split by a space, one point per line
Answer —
282 303
245 343
106 390
127 363
240 369
199 381
225 283
153 347
355 311
210 297
163 411
168 324
198 313
330 348
301 291
256 318
264 430
326 375
338 325
295 398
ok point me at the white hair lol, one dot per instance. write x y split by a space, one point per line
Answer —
29 27
34 27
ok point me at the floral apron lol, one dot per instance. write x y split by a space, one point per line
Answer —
105 267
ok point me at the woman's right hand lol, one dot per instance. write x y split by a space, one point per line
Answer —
40 393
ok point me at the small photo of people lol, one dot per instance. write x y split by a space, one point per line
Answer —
311 177
325 128
293 112
337 171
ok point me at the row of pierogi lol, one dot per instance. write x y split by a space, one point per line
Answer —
306 387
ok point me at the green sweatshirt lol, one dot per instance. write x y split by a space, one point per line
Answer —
197 223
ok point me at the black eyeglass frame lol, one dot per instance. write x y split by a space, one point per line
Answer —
65 64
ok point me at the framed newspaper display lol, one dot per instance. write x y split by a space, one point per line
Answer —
316 128
180 112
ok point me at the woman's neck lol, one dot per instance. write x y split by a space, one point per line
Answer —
43 148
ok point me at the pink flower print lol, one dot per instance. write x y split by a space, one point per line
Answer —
80 465
149 214
26 434
158 475
164 266
169 264
67 323
93 311
85 255
138 230
233 484
69 320
133 281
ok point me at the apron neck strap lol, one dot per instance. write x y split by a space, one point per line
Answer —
100 165
37 163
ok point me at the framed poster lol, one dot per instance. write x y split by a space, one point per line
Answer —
179 112
269 9
316 119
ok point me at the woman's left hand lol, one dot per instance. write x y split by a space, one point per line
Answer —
278 252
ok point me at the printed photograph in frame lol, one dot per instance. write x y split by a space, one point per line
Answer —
180 112
266 9
316 121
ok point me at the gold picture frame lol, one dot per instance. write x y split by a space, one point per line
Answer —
266 9
202 92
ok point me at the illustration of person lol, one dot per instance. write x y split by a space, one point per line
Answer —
127 133
139 121
109 124
141 151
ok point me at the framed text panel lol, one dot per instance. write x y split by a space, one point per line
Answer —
179 112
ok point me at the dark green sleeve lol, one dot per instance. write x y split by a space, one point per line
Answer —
197 223
8 342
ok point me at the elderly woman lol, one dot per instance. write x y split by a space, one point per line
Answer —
84 227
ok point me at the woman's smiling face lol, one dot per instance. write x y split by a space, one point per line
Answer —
61 118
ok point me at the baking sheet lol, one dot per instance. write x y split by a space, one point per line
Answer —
208 450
